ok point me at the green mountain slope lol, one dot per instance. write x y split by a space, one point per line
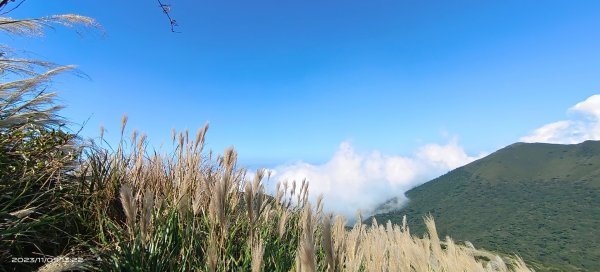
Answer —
541 201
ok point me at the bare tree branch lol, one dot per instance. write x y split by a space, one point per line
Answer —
3 3
166 8
17 6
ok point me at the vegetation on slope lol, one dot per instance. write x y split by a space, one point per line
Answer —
540 200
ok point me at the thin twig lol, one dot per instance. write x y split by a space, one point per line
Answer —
17 6
3 3
166 9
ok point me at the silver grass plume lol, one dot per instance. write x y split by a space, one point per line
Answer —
328 243
35 26
128 203
147 208
282 222
306 250
258 251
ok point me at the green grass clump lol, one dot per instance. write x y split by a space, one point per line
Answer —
37 198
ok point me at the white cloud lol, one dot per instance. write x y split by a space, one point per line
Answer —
557 132
351 180
590 106
583 125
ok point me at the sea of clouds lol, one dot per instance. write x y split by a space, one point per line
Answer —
352 180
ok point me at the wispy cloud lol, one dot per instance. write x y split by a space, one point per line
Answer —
583 124
350 180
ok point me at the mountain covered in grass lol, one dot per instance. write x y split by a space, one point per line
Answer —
541 201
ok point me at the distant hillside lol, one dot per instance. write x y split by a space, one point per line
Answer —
541 201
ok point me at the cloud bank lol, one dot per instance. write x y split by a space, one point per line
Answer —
350 180
584 124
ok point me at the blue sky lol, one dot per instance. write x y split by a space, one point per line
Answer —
284 81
